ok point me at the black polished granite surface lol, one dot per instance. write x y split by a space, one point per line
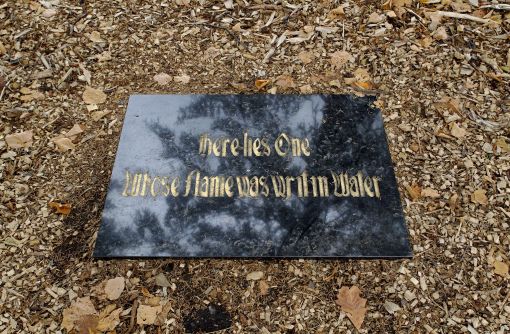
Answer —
252 176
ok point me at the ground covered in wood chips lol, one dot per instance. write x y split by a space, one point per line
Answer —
441 73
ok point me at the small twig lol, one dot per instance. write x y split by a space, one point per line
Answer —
3 89
133 316
499 6
23 33
463 16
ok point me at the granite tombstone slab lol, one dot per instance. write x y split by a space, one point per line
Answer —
252 176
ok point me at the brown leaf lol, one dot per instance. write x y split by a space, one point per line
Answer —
255 275
425 42
162 78
457 131
414 191
501 143
114 287
263 287
429 192
87 324
366 85
161 317
161 280
376 18
20 140
75 131
184 79
29 95
146 315
109 319
440 34
500 268
352 304
63 208
261 83
340 58
97 115
285 82
337 12
453 201
306 89
460 7
95 37
478 196
63 144
74 313
306 57
93 96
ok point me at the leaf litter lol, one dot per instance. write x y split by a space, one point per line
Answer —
413 54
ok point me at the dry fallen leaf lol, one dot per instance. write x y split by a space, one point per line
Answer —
261 83
63 144
500 268
95 37
86 76
75 131
182 78
429 192
93 96
263 287
114 287
352 304
338 12
391 307
20 140
3 50
108 319
306 57
161 280
63 208
453 201
162 78
161 317
457 131
376 18
340 58
306 89
79 309
146 315
364 85
30 95
414 191
440 34
255 276
97 115
478 196
285 82
501 143
425 42
460 7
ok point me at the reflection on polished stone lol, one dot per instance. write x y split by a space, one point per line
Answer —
252 176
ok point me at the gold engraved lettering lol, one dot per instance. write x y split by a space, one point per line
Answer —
154 193
234 145
376 180
174 189
368 187
126 185
281 144
305 147
229 184
135 188
323 186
